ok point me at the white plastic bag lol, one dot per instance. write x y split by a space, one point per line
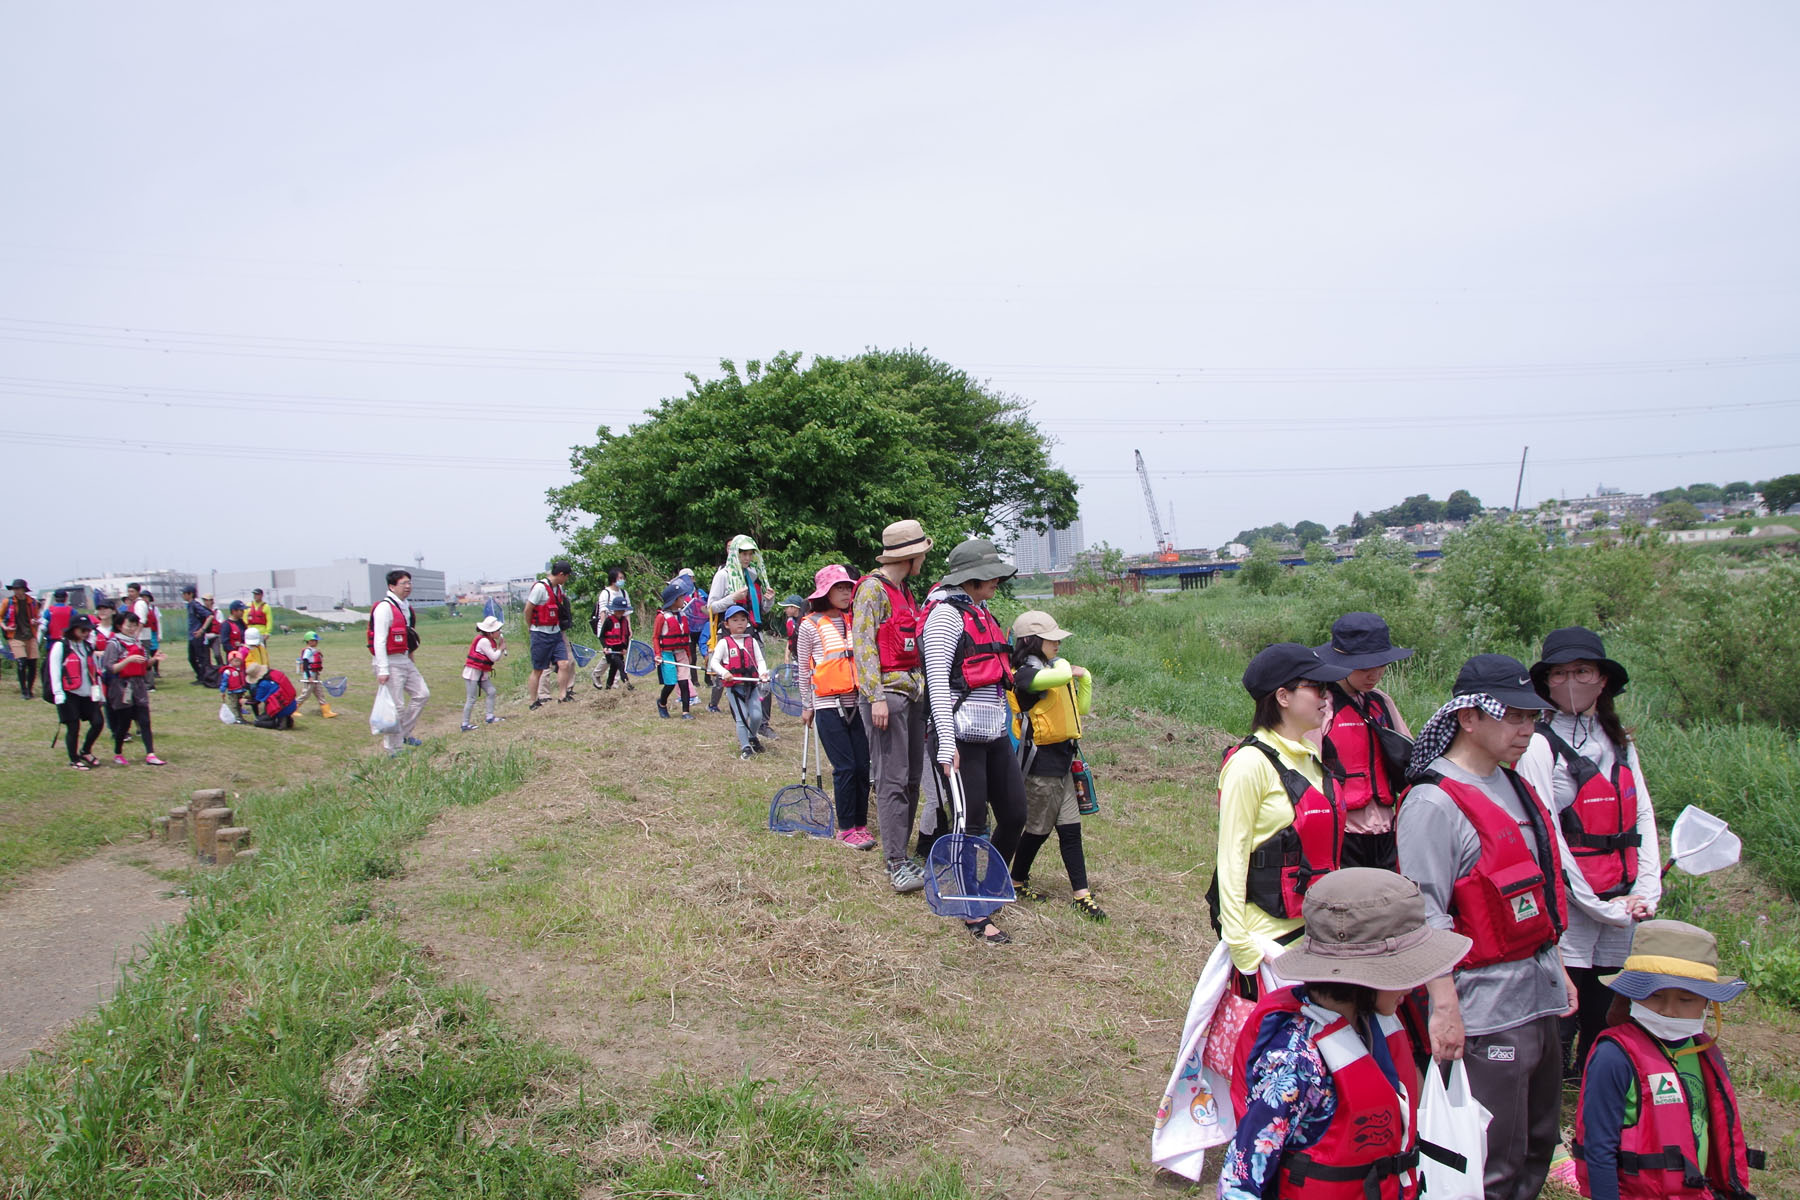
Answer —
385 716
226 715
1452 1136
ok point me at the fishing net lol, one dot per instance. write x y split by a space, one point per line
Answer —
337 685
492 609
583 654
804 807
638 659
965 876
784 685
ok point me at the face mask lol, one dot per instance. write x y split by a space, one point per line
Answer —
1669 1029
1577 698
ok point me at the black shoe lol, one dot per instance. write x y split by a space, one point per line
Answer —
536 704
756 745
662 710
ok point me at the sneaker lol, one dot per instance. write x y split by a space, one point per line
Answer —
1086 906
468 728
1026 892
757 746
662 710
746 754
685 715
906 878
150 760
712 708
768 731
412 741
536 704
495 720
119 760
856 839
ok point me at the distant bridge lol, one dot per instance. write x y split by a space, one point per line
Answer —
1199 575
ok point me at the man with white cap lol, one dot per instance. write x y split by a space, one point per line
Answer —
1480 844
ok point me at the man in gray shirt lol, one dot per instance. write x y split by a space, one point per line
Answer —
1469 815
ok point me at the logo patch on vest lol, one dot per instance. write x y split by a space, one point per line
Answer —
1502 1054
1665 1088
1524 908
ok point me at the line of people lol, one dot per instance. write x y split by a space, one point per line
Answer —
1484 892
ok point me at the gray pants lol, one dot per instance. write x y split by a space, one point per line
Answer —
1517 1076
896 761
404 681
475 687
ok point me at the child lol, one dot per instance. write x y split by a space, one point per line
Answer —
74 676
737 662
615 637
673 644
125 666
478 669
233 683
828 700
1657 1115
312 667
790 617
273 697
1051 697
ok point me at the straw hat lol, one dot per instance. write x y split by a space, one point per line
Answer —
489 624
1368 926
903 540
1673 954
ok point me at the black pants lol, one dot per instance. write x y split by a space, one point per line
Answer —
991 779
198 660
1377 850
615 668
122 719
74 710
847 746
1579 1032
278 720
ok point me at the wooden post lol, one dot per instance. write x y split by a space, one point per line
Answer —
226 842
244 857
161 826
206 830
178 825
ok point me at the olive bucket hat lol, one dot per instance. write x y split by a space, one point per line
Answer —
977 559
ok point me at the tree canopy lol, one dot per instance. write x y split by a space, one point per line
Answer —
812 462
1780 493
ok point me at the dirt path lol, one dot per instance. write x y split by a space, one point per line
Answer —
64 935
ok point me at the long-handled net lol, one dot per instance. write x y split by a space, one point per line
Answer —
583 654
337 685
965 876
804 807
784 685
639 659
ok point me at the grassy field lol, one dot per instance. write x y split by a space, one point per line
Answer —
562 957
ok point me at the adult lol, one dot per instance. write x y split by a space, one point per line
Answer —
1280 826
125 668
257 618
74 687
827 675
200 629
18 622
1365 742
1483 849
392 640
273 697
1583 763
743 580
53 622
1325 1089
548 617
614 590
968 667
150 632
885 623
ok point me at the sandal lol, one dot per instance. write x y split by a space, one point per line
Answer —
90 760
986 932
1025 891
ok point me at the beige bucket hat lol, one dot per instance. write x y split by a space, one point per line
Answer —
1368 926
903 540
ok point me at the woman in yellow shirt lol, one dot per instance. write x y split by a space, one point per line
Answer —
1279 823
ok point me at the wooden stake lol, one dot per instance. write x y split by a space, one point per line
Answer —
206 830
226 842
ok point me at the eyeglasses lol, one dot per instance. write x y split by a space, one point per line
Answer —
1579 672
1314 684
1520 716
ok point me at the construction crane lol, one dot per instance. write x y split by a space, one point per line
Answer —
1165 549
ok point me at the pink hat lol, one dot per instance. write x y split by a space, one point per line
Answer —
827 578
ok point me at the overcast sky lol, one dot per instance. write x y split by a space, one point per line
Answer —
403 256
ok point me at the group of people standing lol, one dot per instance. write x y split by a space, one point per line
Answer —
1483 892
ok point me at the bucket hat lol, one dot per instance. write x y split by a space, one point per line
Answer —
17 584
490 624
1032 623
794 601
1568 645
1368 926
976 559
253 636
903 540
80 623
827 578
256 672
1360 640
1673 954
619 604
671 593
1281 664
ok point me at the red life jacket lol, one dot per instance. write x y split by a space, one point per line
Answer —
60 616
476 658
99 640
1352 744
1511 905
311 660
282 696
550 612
983 656
77 669
1657 1154
1284 866
256 615
397 640
134 665
20 618
234 634
897 638
152 621
739 659
615 632
1601 824
1369 1151
670 632
231 677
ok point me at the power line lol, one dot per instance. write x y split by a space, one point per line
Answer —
1362 469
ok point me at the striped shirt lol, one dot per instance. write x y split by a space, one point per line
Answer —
943 631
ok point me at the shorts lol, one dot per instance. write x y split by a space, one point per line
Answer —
547 649
1049 802
25 648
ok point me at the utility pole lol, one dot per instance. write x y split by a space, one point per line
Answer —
1520 487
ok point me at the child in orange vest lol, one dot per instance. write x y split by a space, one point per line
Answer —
828 700
673 645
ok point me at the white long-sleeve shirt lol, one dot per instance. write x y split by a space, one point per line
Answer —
716 664
384 622
1599 933
484 645
90 673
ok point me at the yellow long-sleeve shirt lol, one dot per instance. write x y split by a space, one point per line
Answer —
1254 807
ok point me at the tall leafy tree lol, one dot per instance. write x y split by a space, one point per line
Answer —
812 462
1780 493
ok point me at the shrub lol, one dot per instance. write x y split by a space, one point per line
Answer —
1493 590
1727 646
1262 571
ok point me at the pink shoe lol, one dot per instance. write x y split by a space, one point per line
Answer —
119 760
150 760
856 839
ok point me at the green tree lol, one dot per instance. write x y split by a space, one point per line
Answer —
1263 571
1492 587
1738 490
1277 533
812 462
1102 568
1461 506
1317 553
1705 493
1781 493
1310 531
1676 514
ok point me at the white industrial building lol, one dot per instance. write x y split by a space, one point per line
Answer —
344 582
1054 550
